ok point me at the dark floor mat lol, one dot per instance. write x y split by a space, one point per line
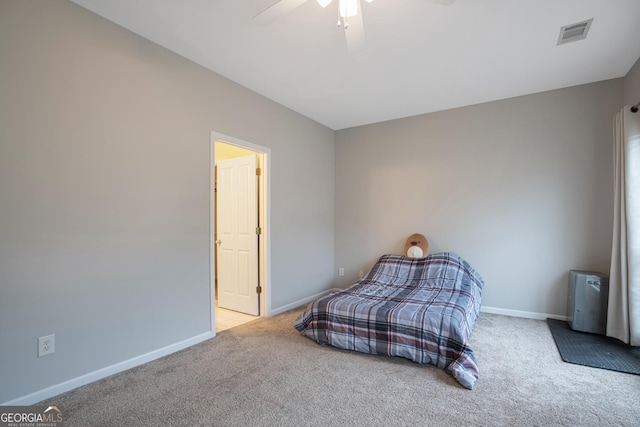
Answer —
598 351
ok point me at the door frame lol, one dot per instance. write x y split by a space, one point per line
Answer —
264 218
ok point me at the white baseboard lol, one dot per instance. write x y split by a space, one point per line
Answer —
71 384
65 386
303 301
483 309
518 313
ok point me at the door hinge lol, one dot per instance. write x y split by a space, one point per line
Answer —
258 171
259 289
258 231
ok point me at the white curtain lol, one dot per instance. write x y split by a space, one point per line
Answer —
623 317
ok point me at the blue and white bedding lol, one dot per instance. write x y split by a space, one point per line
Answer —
421 309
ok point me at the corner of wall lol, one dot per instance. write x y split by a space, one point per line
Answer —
632 85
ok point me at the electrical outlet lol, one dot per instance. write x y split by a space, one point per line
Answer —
341 271
46 345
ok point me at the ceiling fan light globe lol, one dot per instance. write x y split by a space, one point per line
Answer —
324 3
348 8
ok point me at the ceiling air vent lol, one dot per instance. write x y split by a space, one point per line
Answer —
574 32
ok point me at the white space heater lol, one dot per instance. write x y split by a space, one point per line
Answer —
588 301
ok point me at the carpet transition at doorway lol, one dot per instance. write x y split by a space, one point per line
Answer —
597 351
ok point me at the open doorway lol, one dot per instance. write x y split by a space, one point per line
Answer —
239 231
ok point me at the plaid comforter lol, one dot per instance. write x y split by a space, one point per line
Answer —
420 309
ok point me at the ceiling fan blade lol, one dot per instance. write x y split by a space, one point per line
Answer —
444 2
276 10
355 32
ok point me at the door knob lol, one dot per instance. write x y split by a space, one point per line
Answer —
218 241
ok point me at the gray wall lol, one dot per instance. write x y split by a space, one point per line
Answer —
521 188
104 186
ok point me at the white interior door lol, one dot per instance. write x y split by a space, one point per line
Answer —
236 236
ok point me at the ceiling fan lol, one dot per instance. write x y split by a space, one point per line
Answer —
350 17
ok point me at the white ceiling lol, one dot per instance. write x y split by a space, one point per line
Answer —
419 56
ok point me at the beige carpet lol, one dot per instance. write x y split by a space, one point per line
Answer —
266 374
